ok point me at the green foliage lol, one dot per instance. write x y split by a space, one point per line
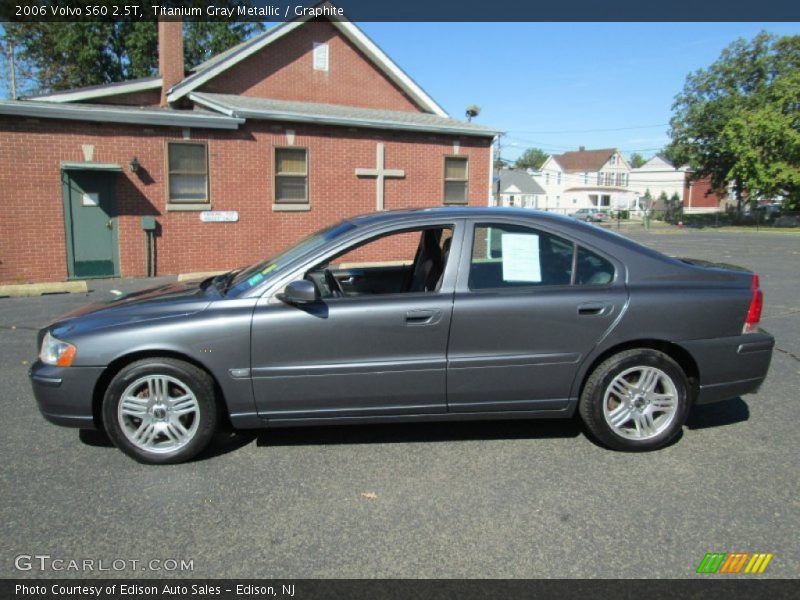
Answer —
737 121
637 160
64 55
532 158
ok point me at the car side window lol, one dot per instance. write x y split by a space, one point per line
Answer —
505 256
516 256
412 260
592 269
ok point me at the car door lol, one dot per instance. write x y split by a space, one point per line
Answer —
529 305
359 354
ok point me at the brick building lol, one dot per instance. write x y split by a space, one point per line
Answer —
299 127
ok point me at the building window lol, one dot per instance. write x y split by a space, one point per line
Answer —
187 173
291 176
320 57
585 178
456 177
547 178
558 178
599 179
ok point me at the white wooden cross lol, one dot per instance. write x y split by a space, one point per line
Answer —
380 173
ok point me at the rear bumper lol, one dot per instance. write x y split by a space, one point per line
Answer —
64 395
731 366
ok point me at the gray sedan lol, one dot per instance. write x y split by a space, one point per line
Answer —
429 315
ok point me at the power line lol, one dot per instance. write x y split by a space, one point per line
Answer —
559 148
594 130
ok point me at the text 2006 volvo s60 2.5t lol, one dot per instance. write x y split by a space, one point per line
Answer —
424 315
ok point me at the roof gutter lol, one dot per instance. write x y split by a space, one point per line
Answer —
112 115
317 119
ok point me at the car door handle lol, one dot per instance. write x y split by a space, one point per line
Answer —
423 317
593 309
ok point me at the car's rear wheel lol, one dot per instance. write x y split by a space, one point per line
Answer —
160 410
636 400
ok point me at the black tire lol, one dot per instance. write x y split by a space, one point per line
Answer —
194 379
591 407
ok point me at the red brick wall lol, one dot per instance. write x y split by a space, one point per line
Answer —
284 71
32 238
700 195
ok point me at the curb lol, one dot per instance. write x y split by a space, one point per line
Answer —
39 289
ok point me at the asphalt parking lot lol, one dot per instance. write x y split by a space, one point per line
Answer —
510 499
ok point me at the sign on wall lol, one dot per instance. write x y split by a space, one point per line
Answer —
219 216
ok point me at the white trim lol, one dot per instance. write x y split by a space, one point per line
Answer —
350 31
491 172
107 114
101 92
296 117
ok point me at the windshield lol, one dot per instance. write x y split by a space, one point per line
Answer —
246 279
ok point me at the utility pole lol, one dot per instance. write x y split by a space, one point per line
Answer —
12 71
498 160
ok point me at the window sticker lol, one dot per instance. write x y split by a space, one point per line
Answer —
521 257
257 278
269 269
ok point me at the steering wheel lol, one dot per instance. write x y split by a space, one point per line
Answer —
333 284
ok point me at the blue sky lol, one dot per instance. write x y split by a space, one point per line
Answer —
555 85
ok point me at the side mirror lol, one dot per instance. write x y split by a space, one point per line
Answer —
300 292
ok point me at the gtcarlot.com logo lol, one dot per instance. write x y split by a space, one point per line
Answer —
733 563
46 562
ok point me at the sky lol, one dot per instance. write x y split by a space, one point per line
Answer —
558 86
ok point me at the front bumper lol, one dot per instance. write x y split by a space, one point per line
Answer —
65 395
731 366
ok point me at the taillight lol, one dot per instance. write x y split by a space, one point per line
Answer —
754 312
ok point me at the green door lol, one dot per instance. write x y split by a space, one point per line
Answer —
90 210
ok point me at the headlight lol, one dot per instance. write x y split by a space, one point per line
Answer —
55 352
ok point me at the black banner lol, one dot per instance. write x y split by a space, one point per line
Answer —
405 11
705 588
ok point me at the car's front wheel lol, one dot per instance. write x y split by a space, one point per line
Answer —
160 410
636 400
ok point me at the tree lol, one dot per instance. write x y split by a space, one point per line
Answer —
65 55
473 110
637 160
532 158
737 122
674 208
766 142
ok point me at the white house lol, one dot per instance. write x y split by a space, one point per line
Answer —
586 179
659 176
518 188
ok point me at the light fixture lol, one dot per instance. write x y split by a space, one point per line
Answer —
134 165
